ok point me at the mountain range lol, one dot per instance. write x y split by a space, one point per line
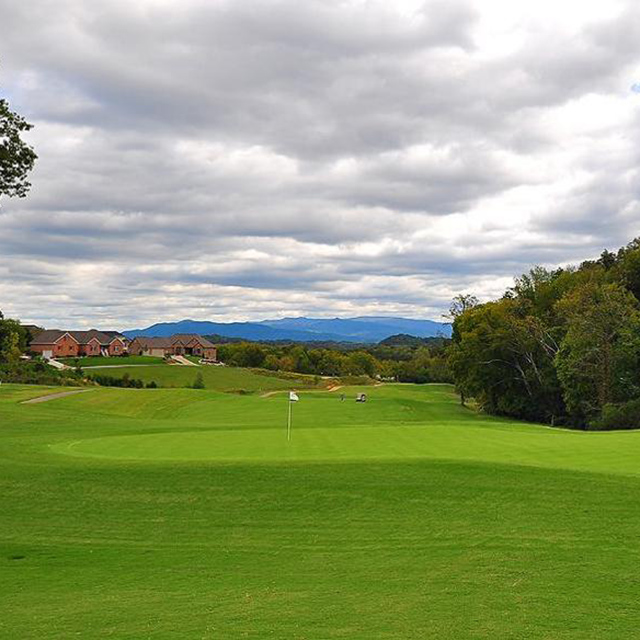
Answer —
366 329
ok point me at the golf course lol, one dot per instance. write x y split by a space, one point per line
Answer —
187 513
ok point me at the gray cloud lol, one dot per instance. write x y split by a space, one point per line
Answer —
241 160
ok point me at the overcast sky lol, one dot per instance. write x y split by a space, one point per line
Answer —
248 159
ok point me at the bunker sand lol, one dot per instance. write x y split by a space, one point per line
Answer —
54 396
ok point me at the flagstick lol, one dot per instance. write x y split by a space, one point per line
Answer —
289 422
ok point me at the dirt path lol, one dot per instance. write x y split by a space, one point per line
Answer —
56 364
268 394
54 396
184 362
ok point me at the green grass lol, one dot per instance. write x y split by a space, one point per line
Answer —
185 514
216 378
101 361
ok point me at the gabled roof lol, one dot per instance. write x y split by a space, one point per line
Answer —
113 335
84 337
186 338
156 343
49 336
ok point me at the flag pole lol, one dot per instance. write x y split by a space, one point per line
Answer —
289 402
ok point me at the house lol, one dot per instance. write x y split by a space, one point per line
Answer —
142 346
180 344
55 343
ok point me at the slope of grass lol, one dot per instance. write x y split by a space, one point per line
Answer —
405 517
102 361
216 378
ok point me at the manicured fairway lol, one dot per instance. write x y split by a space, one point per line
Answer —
177 513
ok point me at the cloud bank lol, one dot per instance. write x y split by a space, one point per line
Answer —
242 160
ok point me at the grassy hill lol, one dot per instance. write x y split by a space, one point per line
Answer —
178 513
102 361
227 379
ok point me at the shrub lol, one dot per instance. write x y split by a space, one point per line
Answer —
37 372
126 381
198 383
622 416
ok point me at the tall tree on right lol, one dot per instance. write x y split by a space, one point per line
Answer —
598 362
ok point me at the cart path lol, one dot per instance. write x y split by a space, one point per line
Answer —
268 394
184 362
54 396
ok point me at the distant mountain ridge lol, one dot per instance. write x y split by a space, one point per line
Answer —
367 329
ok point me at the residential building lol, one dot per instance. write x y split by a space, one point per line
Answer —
55 343
185 344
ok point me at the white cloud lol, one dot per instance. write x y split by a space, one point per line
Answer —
232 160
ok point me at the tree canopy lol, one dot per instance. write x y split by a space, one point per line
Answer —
16 157
561 346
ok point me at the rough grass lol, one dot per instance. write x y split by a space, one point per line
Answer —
405 517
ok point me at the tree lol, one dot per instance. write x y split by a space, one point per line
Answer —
628 267
460 304
361 363
599 358
498 358
16 157
13 340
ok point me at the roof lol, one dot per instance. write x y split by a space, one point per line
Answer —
49 336
115 334
156 343
33 329
83 337
166 343
189 337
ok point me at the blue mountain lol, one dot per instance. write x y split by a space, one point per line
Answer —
362 329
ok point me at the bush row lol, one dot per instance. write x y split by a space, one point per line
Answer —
39 373
125 382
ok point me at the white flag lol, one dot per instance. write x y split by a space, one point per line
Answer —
293 396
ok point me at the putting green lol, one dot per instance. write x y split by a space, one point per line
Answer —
534 446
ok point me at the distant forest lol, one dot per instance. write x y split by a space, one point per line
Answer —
402 358
562 346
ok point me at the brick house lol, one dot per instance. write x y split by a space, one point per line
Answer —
181 344
54 343
142 346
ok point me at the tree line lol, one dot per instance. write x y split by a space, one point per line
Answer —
420 362
561 346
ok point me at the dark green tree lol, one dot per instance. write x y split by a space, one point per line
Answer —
599 358
13 340
16 157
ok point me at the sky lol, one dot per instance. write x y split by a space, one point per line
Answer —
250 159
